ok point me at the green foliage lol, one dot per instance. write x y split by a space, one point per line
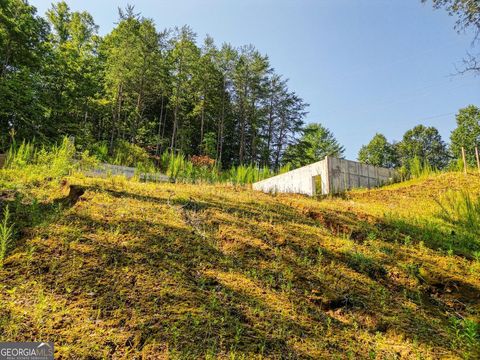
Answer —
455 165
462 210
415 166
38 163
315 143
123 153
209 144
285 168
378 152
466 134
424 143
127 154
365 264
417 169
87 161
133 74
21 156
73 57
6 234
22 37
181 169
242 174
466 333
100 150
159 89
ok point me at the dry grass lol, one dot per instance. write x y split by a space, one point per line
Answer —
146 271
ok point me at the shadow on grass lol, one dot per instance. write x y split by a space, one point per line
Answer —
27 212
199 291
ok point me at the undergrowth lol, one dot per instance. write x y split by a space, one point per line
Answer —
32 165
183 170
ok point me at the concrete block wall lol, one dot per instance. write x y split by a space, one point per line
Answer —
335 175
347 174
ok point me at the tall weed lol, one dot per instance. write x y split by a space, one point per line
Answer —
419 169
181 169
31 164
461 209
6 235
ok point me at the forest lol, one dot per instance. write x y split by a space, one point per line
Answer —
140 92
157 89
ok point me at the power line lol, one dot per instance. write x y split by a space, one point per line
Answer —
438 116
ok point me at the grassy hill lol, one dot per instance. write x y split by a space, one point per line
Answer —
107 268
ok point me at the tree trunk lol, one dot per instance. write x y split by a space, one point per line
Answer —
116 114
280 143
202 119
157 150
177 105
220 130
253 144
6 59
164 122
241 152
202 124
266 159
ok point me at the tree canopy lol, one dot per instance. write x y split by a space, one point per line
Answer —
161 89
466 134
424 143
315 143
379 152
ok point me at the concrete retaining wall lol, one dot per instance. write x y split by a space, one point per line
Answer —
332 175
347 174
299 181
104 170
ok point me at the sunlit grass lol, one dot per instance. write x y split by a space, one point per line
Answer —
180 270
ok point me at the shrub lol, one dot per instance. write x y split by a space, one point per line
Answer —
87 161
203 168
465 331
100 150
202 160
127 154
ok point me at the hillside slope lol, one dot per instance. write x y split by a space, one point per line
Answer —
128 270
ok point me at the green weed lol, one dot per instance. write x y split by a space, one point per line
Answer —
6 235
462 210
466 332
417 169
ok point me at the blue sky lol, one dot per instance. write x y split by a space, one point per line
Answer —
364 66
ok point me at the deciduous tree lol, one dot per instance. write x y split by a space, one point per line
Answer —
466 134
378 152
424 143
